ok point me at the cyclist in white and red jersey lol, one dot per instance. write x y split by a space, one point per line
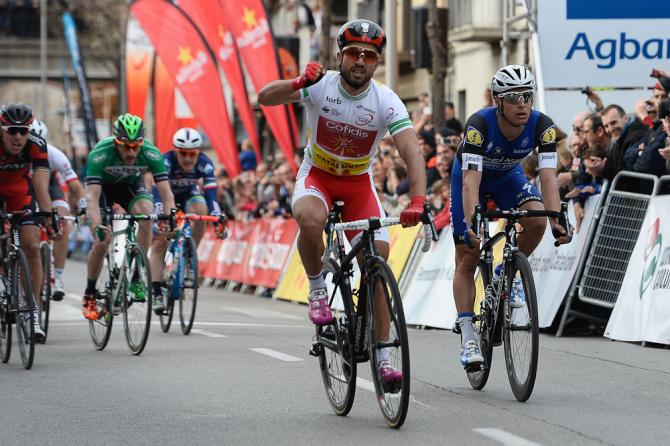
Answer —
348 113
61 172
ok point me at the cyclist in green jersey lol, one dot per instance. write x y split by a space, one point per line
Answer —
115 174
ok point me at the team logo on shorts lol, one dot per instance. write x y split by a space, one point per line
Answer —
549 135
474 137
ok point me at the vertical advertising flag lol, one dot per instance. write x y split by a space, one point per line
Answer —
210 19
165 124
139 60
189 62
70 30
249 24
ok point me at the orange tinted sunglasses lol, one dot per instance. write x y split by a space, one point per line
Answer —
188 153
128 145
356 52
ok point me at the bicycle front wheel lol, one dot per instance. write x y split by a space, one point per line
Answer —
25 309
521 331
137 300
168 276
101 329
5 326
45 292
389 345
484 324
335 344
188 297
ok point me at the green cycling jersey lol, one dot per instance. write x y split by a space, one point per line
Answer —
104 165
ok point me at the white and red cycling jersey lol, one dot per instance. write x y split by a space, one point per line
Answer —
343 134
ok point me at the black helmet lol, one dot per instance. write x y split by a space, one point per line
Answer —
363 31
16 114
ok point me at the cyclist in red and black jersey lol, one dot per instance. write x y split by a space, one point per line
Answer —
21 151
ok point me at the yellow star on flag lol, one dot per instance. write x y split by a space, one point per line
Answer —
249 17
184 55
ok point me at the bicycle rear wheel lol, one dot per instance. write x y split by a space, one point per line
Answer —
137 300
5 326
188 297
101 329
336 347
388 342
45 292
521 332
25 309
484 327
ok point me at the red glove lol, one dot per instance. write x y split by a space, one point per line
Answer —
312 74
411 215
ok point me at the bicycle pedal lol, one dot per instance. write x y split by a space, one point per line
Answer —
362 356
316 349
474 368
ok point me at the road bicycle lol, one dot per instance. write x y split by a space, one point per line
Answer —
17 303
180 274
497 322
368 322
124 284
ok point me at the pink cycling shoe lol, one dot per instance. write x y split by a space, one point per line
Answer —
319 311
391 377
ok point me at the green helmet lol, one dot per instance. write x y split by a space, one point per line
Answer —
129 128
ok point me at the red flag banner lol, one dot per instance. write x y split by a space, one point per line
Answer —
249 24
139 59
209 18
189 62
165 124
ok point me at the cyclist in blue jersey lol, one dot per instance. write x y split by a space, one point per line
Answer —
488 164
188 170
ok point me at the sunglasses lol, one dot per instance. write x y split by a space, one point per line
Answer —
188 153
515 98
128 145
369 56
16 130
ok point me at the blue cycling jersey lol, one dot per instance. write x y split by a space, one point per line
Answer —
186 184
486 150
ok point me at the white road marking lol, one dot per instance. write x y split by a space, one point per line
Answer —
209 334
365 384
263 314
275 354
504 437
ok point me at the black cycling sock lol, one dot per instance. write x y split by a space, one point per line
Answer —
90 286
157 288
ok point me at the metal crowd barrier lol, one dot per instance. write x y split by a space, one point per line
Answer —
609 245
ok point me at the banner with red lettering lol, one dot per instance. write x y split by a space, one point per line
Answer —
139 59
254 253
249 25
165 123
209 18
189 61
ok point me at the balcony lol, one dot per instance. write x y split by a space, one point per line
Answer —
475 20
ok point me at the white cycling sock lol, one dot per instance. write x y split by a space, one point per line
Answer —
58 272
316 282
467 329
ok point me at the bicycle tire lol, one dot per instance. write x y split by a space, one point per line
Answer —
25 308
137 308
45 292
484 327
393 399
337 362
188 301
101 329
522 366
5 327
168 277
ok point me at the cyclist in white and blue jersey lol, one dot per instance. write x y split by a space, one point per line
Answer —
488 164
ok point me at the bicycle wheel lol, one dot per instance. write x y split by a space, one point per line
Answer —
484 328
25 309
168 277
336 346
389 345
188 296
5 326
521 333
137 300
101 329
45 292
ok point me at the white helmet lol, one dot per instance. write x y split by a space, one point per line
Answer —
510 77
39 128
187 138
